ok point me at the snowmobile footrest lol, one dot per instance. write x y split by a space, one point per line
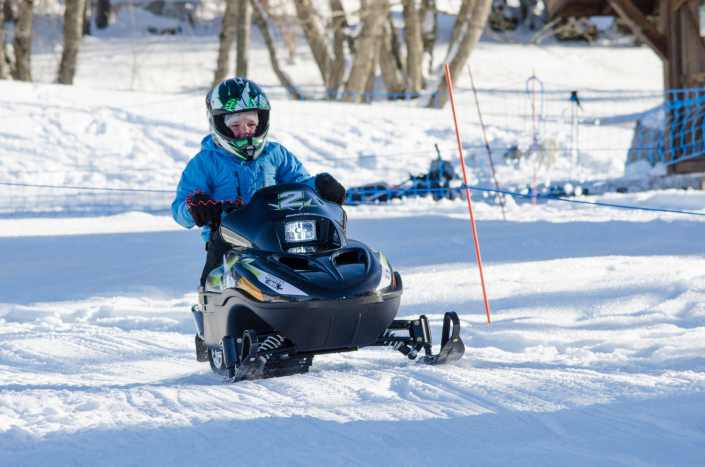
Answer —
452 347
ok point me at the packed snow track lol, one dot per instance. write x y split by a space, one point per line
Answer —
595 355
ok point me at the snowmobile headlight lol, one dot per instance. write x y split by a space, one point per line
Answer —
300 231
302 250
234 238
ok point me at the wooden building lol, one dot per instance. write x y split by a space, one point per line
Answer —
675 37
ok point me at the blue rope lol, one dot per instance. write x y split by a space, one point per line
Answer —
555 198
621 206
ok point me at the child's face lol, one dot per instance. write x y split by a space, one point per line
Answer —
244 128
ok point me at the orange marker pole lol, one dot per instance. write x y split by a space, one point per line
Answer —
467 194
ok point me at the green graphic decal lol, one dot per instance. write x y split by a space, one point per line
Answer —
291 200
252 269
231 105
273 282
221 277
214 280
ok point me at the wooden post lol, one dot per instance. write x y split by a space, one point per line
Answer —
641 26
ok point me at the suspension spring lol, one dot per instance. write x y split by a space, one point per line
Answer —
394 345
270 343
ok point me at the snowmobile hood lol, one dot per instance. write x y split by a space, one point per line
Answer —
292 245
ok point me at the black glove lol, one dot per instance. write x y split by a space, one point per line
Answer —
229 206
330 189
204 209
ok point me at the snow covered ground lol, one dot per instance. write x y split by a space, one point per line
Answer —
596 354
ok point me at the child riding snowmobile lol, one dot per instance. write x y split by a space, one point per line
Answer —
235 161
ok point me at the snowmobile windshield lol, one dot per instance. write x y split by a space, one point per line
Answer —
287 218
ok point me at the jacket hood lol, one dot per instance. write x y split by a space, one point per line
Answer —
207 144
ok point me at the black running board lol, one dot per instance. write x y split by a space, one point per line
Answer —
452 346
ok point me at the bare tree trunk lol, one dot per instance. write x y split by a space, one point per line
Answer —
414 48
227 35
7 11
4 71
340 22
460 51
260 17
461 19
102 14
368 43
371 78
316 40
3 59
396 48
429 30
23 40
73 31
87 18
244 24
287 26
387 62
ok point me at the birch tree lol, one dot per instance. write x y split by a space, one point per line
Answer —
367 47
227 35
467 38
260 17
244 24
461 19
388 63
73 32
338 24
4 70
428 16
414 47
316 40
22 44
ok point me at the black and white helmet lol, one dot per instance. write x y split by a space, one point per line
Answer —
238 95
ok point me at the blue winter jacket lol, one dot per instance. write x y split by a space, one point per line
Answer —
218 174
